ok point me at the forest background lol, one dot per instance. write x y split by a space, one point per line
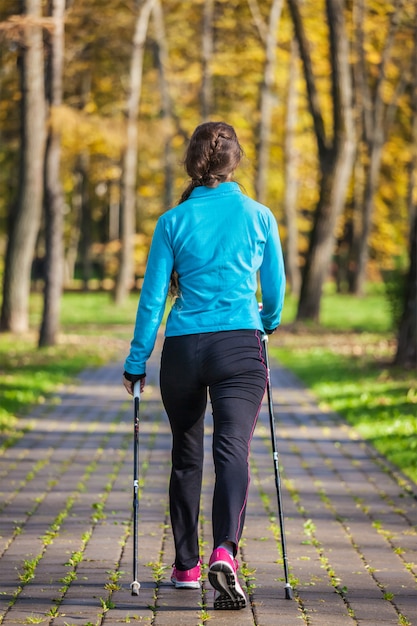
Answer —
97 101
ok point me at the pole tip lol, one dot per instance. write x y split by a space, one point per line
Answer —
135 586
288 592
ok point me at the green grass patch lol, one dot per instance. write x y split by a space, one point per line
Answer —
28 375
378 400
348 313
94 331
88 312
346 361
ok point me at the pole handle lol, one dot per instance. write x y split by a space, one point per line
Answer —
136 390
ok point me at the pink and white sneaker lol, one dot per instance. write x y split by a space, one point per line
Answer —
188 579
222 576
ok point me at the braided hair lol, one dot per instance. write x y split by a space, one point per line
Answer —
212 155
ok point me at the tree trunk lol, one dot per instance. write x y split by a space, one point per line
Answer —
167 126
354 227
54 198
80 215
258 19
407 336
329 208
75 230
83 166
207 55
335 155
371 183
291 184
377 116
26 215
266 102
125 275
406 354
114 210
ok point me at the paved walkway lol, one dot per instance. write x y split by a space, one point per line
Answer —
65 511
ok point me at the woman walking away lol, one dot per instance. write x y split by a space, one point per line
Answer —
208 252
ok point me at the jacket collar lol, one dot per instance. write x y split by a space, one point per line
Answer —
229 187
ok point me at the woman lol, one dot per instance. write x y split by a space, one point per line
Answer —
209 251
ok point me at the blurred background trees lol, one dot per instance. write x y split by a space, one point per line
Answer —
98 99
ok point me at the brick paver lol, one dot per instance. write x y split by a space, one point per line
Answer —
65 518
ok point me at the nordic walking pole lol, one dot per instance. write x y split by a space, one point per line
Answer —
135 585
288 588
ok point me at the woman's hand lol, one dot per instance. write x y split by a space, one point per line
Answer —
128 385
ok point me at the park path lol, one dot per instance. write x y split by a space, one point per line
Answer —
65 518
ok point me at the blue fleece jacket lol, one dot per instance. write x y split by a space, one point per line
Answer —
219 241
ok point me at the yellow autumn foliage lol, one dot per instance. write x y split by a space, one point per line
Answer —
96 81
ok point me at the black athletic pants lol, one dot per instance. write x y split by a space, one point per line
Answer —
231 365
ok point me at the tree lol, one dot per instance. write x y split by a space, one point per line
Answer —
130 157
375 119
266 100
25 216
92 118
406 354
407 336
291 183
166 102
207 56
335 153
54 199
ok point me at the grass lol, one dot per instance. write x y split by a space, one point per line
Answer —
347 313
94 332
352 375
345 361
28 375
89 312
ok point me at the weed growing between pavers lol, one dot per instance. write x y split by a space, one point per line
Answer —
106 605
204 615
310 532
30 476
276 533
249 578
114 575
29 570
247 573
158 567
389 536
29 567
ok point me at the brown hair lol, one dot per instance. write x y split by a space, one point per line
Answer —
212 155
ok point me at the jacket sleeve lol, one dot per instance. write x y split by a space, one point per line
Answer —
272 279
152 300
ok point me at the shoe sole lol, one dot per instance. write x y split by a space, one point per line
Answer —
224 580
185 585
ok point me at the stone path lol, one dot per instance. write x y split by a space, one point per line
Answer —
65 518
